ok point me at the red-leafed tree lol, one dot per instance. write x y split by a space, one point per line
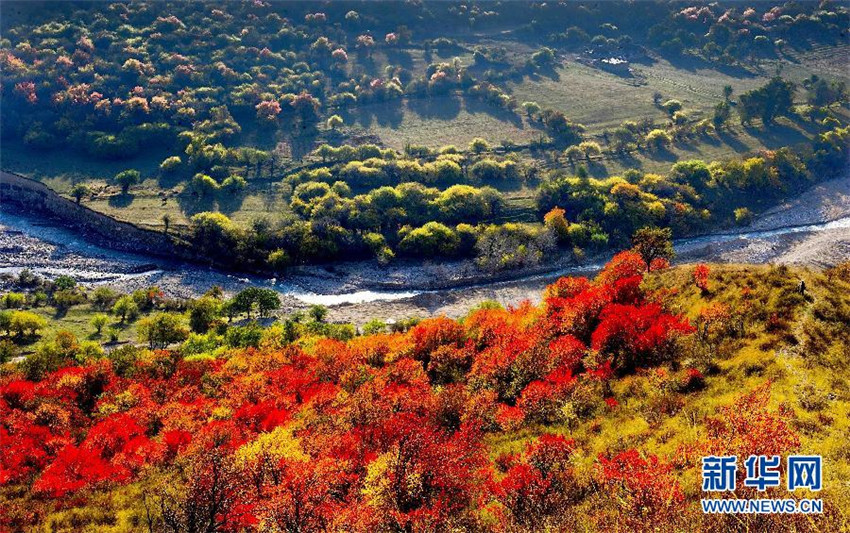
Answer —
642 489
539 488
700 274
633 336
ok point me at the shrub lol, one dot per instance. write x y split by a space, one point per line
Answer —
126 308
14 300
204 185
672 106
26 323
171 164
98 321
127 179
233 184
700 275
658 139
479 145
743 216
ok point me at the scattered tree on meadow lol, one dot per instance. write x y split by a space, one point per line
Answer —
653 243
80 191
127 178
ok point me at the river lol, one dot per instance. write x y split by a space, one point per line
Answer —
811 229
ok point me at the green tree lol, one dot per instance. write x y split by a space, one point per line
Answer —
263 300
127 179
14 300
374 327
653 243
431 239
317 313
8 350
214 234
26 323
722 112
203 312
334 122
103 298
98 321
162 329
126 308
50 356
65 283
80 191
267 301
774 99
6 322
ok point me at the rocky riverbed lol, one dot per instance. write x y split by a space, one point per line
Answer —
812 229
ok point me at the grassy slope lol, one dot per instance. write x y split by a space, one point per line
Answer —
813 378
601 100
806 359
441 121
77 320
595 98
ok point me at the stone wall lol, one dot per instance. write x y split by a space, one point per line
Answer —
26 195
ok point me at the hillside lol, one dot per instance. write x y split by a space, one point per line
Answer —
272 135
589 411
424 266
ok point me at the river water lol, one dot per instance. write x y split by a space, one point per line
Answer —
51 250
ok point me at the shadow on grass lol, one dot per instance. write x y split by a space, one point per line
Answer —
778 135
691 146
121 200
692 63
302 142
191 203
170 180
477 106
733 142
628 160
365 64
24 341
547 71
597 169
388 114
229 203
440 107
401 58
661 154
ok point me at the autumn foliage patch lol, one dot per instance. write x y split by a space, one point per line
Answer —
383 432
